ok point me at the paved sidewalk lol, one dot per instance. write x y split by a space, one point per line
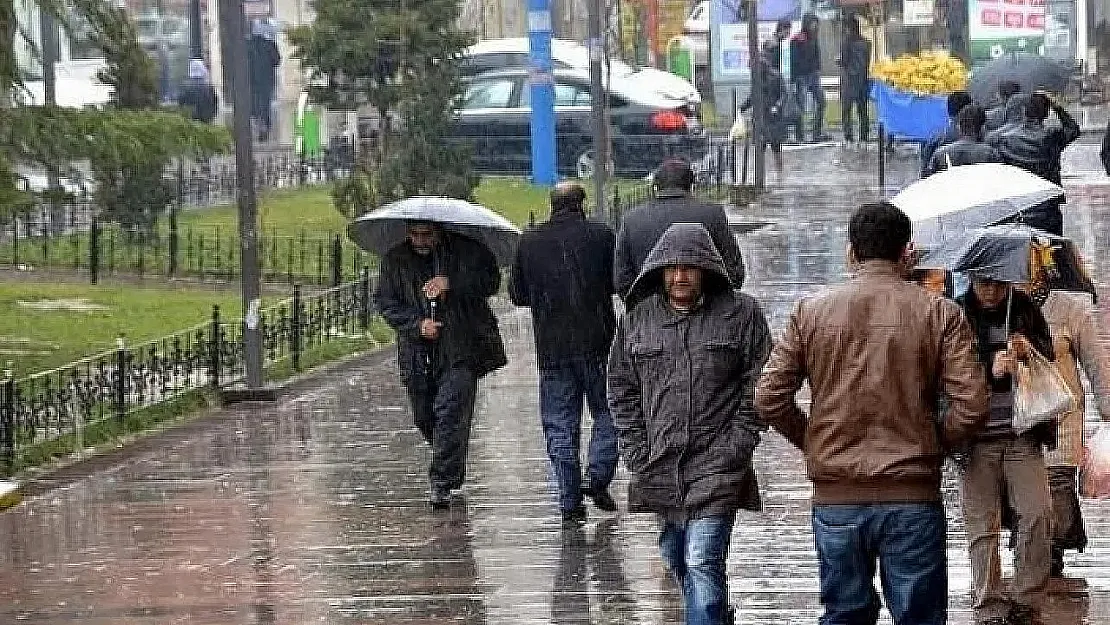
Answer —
314 510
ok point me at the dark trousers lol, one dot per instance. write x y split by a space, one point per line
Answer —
810 84
855 98
907 541
443 409
562 389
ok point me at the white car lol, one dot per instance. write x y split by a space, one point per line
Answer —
499 54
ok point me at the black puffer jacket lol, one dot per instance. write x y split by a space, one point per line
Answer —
681 387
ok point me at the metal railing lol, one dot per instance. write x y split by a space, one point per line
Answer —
59 406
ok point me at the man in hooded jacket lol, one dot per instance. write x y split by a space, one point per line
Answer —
682 374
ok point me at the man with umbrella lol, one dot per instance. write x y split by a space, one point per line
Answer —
1037 148
433 289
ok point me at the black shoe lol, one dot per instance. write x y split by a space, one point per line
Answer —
440 498
601 498
574 518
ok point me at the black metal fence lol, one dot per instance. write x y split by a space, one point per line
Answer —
56 408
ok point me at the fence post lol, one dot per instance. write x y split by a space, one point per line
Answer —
173 242
882 159
122 376
7 421
215 338
295 330
94 250
336 261
364 299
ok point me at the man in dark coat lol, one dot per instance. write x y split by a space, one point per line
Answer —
433 290
805 71
957 100
969 148
682 374
855 79
1037 148
563 272
263 59
673 203
197 95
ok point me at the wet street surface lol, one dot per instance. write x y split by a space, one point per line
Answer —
314 510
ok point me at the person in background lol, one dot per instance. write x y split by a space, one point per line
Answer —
1072 323
1004 467
774 97
682 371
1038 148
674 202
969 148
433 290
805 71
263 60
877 352
197 95
855 80
563 272
957 100
996 116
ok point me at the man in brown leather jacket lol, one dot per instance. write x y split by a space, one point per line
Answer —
877 352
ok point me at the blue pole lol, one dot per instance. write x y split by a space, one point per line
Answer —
542 84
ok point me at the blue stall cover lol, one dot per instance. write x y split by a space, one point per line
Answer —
909 116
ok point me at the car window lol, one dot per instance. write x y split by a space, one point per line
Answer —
488 94
571 95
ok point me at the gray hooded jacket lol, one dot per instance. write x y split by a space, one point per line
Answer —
681 387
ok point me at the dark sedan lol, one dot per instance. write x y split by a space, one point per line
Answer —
645 128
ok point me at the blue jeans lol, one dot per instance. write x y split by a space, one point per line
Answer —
695 552
907 541
562 389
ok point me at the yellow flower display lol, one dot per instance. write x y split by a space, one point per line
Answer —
928 73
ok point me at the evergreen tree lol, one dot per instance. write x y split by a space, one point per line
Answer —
400 57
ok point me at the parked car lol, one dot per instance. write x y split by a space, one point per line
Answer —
496 54
494 118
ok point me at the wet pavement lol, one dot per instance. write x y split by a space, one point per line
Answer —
313 510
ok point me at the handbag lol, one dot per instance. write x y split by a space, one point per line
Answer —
1040 393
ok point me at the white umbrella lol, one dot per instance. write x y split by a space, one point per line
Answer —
947 203
383 229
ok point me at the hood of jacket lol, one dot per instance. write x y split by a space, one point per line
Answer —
682 244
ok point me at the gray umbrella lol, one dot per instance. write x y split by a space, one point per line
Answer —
1031 71
1004 253
383 229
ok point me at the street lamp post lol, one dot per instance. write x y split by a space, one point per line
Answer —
234 46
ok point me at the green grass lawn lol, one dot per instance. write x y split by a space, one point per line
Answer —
43 326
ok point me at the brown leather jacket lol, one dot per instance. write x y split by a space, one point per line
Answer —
878 352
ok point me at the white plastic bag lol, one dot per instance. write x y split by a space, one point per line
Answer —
1040 393
1096 466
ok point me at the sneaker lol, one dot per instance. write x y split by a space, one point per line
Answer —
440 498
601 498
1023 615
574 518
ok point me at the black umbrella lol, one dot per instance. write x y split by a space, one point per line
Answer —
1033 72
1007 253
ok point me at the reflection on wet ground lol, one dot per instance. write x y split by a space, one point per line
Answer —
313 510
